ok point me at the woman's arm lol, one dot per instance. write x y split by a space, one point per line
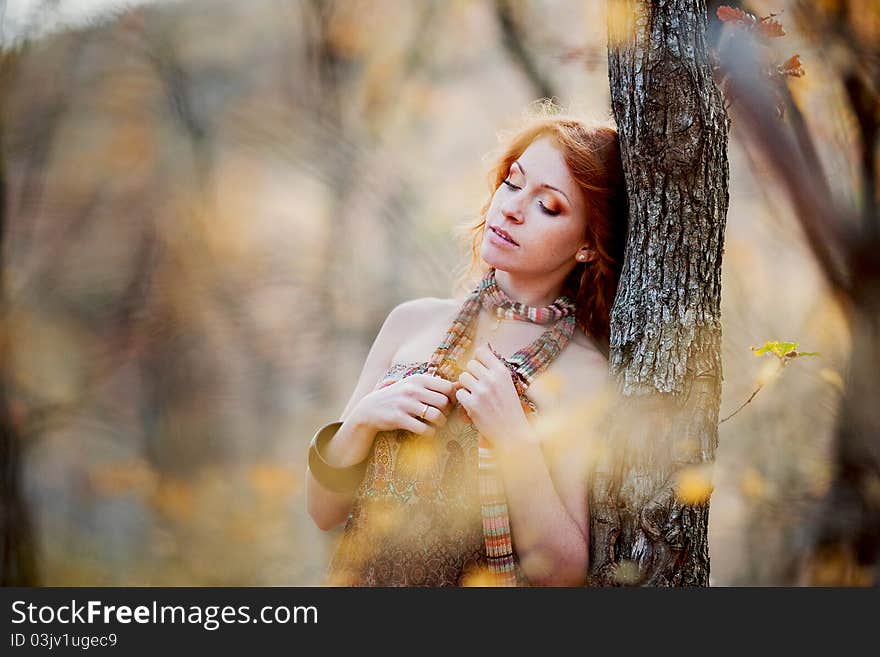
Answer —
352 441
549 513
547 478
546 493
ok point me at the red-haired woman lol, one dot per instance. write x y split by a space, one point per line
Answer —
435 464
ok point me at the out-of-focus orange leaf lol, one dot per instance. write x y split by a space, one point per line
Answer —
271 480
479 577
770 28
726 13
792 67
174 499
694 484
767 26
621 22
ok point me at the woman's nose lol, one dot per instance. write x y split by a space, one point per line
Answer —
513 209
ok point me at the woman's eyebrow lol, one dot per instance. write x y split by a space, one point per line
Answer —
556 189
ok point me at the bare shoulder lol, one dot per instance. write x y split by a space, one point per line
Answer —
422 309
416 316
583 367
435 304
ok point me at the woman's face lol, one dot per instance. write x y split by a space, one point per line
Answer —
541 207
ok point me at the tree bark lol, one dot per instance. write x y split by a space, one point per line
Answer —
665 324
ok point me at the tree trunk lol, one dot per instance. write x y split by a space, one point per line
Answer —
649 499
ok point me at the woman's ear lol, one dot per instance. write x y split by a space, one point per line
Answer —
586 254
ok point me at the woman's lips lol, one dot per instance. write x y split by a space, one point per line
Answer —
495 238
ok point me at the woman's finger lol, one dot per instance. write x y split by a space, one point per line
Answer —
478 369
467 380
436 383
434 398
416 426
484 356
464 397
427 413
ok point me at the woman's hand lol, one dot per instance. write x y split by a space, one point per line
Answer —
401 405
488 395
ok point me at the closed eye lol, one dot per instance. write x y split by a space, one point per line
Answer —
544 208
547 210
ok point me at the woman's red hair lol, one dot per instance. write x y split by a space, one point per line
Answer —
592 152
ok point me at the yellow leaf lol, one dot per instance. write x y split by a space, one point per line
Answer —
694 484
479 577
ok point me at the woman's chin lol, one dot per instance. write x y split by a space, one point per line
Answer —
494 257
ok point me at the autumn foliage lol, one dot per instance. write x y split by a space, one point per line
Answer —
762 30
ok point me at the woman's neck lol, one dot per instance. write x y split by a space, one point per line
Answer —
532 291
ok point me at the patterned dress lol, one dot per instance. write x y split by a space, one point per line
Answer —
415 520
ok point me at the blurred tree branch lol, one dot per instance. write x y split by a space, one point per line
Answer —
858 61
844 545
514 43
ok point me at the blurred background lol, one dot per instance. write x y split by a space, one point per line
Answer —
210 208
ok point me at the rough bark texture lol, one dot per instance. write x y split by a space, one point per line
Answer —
665 323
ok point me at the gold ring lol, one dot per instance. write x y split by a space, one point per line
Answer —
422 416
